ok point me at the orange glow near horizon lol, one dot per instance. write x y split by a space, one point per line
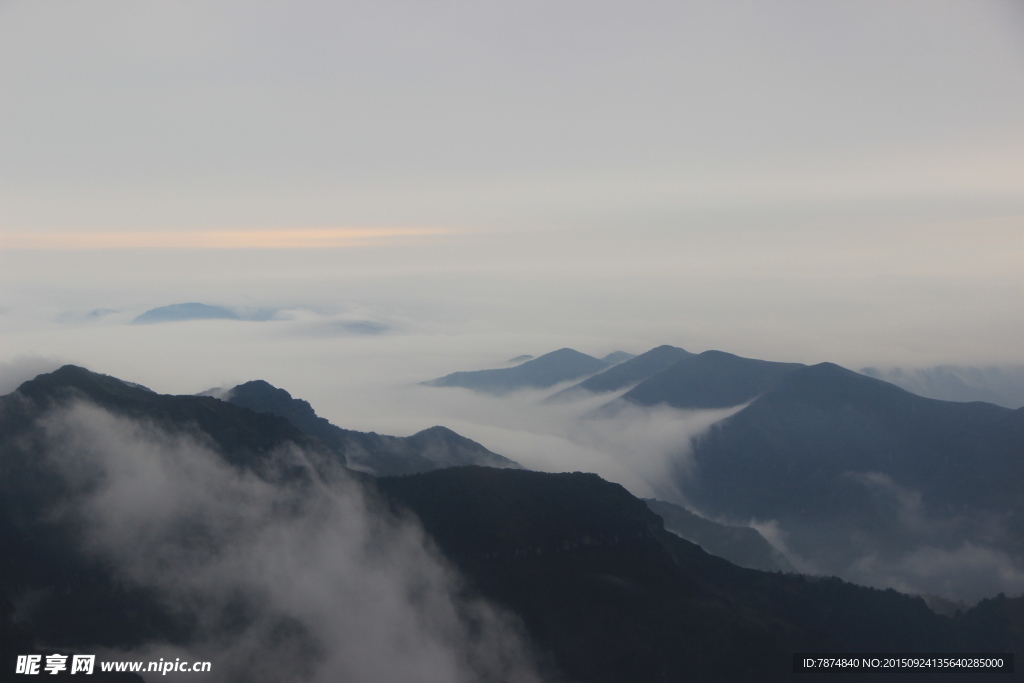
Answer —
299 238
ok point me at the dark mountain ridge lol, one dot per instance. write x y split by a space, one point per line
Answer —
852 466
74 600
712 379
629 372
825 421
616 357
369 452
540 373
924 491
237 433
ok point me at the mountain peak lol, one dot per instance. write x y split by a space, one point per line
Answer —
368 452
181 312
48 386
264 394
630 371
712 379
616 357
540 373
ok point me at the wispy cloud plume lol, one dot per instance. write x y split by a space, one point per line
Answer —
297 238
644 449
287 580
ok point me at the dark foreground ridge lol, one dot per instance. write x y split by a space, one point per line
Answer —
610 595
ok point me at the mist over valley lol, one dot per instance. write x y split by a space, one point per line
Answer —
218 528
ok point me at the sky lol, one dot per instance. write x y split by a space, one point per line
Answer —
795 181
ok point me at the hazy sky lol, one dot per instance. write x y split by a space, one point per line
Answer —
791 180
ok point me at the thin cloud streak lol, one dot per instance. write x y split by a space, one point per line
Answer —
303 238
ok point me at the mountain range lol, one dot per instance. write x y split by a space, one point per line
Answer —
862 478
665 375
603 590
368 452
629 372
179 312
853 467
539 373
198 311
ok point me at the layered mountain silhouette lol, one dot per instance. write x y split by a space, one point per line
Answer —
713 379
179 312
616 357
628 373
540 373
604 592
369 452
864 479
853 467
867 480
198 311
671 376
270 416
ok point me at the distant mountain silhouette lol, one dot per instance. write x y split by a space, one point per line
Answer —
369 452
1003 386
631 371
713 379
616 357
740 545
866 479
539 373
852 466
196 311
520 359
180 312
